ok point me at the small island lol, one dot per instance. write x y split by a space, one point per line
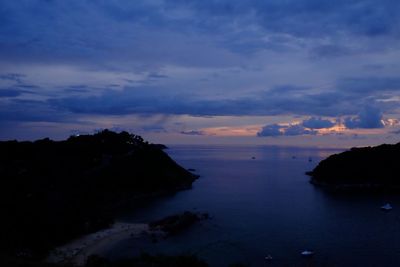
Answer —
55 191
361 169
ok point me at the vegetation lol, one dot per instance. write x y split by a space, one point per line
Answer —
368 168
54 191
176 223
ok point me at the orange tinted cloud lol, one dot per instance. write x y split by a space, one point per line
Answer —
248 130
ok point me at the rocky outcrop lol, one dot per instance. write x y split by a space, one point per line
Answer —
366 169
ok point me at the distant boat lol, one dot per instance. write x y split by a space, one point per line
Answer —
386 207
268 257
307 253
253 157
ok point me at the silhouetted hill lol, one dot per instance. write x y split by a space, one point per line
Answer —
53 191
368 168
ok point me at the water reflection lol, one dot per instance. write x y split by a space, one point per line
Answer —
266 206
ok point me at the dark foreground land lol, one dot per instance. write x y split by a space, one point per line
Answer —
361 169
54 191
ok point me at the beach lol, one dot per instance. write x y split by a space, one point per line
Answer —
77 251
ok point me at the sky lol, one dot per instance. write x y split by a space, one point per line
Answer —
276 72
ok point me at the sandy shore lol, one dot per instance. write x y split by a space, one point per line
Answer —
77 251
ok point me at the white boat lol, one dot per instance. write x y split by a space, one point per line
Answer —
268 257
387 206
307 253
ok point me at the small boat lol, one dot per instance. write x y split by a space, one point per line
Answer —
386 207
268 257
307 253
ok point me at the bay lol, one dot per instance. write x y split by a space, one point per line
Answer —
261 203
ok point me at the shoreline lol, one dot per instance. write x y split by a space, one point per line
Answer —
77 251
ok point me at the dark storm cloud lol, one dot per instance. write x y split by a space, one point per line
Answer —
307 17
15 91
281 100
99 33
369 84
122 36
102 30
150 100
270 130
368 118
17 110
294 130
306 127
317 123
284 130
9 93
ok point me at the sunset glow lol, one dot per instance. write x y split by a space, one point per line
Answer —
176 71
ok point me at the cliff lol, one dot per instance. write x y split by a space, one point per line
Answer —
54 191
368 168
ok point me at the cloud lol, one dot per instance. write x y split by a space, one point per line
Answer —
15 77
395 132
28 86
200 58
297 129
287 89
299 17
78 100
278 100
164 100
271 130
18 110
285 130
368 118
118 31
317 123
193 132
371 84
331 51
16 91
154 128
9 93
154 75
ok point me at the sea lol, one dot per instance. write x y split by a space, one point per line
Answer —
261 203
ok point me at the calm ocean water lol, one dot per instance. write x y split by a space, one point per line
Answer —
267 206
